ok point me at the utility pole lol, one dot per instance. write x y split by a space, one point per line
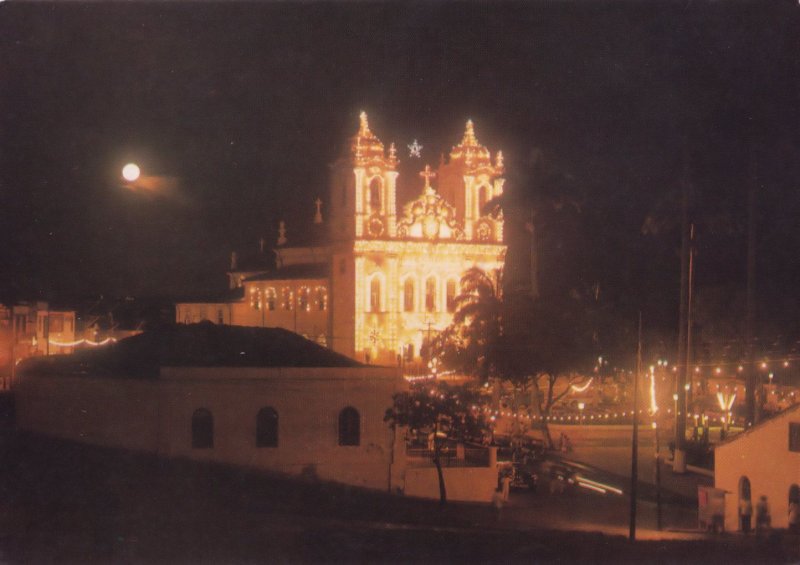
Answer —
750 316
690 291
658 479
679 462
430 345
635 438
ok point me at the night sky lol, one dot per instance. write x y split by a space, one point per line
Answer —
235 110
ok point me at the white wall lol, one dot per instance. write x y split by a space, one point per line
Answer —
763 456
466 484
155 416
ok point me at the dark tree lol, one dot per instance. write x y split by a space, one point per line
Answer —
446 412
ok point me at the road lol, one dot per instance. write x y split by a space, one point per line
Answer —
603 455
609 448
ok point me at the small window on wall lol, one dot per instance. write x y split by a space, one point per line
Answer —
267 427
56 323
794 436
349 427
202 429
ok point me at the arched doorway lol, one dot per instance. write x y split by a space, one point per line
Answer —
745 505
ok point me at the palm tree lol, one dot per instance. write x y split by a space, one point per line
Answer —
471 340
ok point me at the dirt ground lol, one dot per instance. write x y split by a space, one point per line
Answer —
61 502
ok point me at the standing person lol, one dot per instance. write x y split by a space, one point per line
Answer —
497 503
762 514
745 514
506 486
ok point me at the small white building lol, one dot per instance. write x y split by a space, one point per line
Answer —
764 461
253 397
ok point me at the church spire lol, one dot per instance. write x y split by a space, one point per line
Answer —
363 129
469 138
470 149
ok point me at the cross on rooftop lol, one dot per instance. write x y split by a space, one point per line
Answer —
427 174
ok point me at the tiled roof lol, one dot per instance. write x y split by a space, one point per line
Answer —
195 345
291 272
221 297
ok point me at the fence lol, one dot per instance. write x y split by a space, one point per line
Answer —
450 457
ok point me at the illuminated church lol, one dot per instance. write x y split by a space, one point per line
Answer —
377 278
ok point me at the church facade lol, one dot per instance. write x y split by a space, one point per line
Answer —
378 278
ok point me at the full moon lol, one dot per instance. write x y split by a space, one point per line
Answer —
130 172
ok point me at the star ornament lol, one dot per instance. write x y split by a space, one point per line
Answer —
415 150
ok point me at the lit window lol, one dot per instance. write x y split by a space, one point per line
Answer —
375 194
483 198
322 298
271 298
451 295
56 323
430 294
286 298
408 295
303 298
375 294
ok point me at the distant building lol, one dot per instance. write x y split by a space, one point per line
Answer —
763 461
376 279
30 329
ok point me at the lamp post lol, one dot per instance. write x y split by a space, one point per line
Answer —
658 478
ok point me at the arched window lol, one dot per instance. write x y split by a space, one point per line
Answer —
271 298
430 294
267 427
408 295
450 293
322 298
375 189
375 293
202 429
303 295
349 427
483 198
287 298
